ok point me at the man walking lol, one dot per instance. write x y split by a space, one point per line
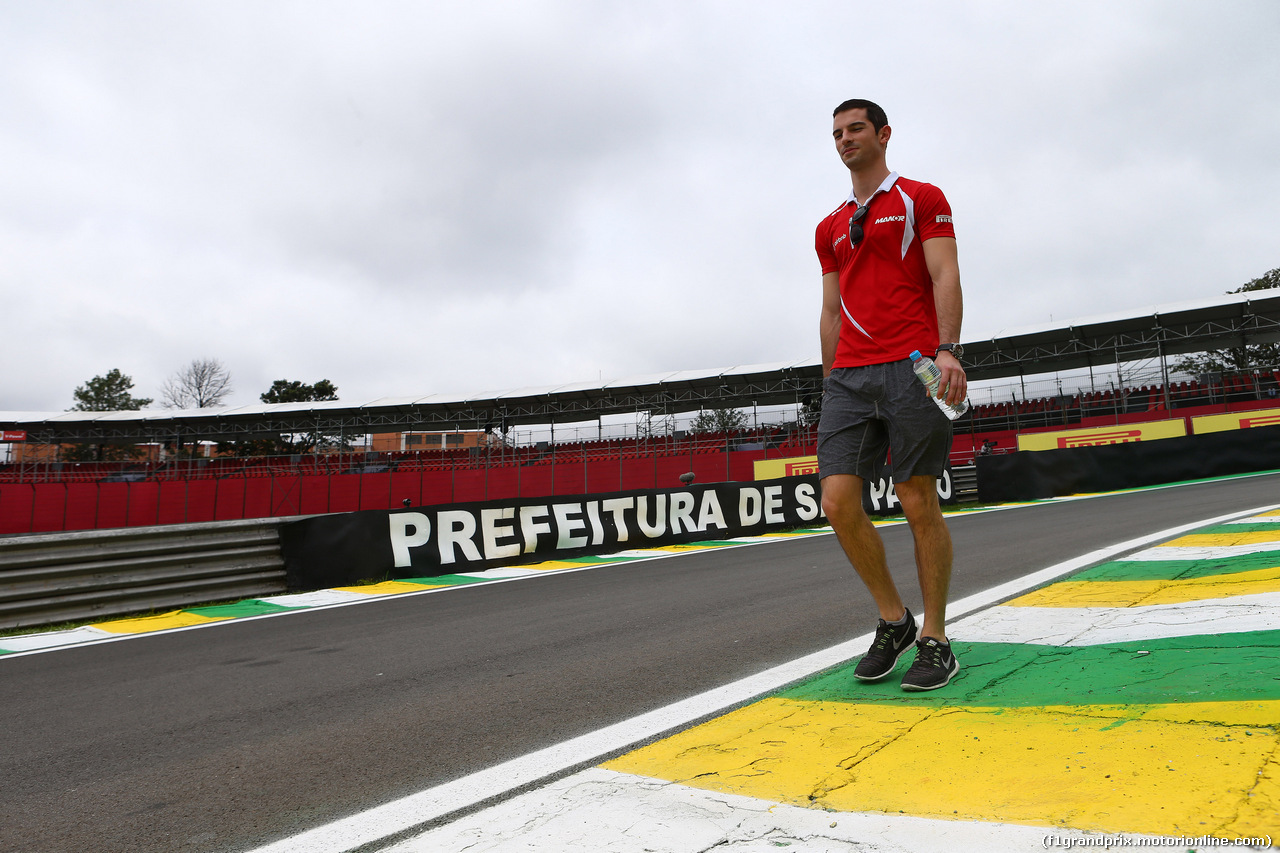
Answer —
890 285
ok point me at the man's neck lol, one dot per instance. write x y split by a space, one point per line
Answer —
867 181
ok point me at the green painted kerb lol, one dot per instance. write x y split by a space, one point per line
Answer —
1168 570
443 580
1217 668
1242 527
252 607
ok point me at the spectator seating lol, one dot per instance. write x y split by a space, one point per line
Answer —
75 495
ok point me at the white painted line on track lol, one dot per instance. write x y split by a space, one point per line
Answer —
394 820
318 598
1095 626
503 574
1208 552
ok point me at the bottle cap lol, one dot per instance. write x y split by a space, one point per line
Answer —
915 355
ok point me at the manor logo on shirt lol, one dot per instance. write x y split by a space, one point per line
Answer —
890 219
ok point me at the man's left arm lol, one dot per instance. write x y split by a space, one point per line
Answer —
944 269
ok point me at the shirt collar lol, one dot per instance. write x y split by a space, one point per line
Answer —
883 188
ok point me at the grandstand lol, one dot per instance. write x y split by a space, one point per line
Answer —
650 447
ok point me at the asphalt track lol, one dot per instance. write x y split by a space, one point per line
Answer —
227 737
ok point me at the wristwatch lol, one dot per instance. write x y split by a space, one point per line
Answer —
955 349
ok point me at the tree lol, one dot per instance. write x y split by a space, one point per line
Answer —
719 420
1266 281
200 385
1236 359
108 393
286 391
289 391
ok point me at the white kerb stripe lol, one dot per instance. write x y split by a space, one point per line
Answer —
1096 626
1163 553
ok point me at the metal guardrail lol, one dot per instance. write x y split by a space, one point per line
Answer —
964 479
50 578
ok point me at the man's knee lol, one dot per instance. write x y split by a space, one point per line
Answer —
841 495
919 496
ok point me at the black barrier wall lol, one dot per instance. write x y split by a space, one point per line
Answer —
1031 475
339 549
335 550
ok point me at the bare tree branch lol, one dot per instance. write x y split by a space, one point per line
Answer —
200 385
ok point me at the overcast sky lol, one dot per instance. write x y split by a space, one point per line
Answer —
410 198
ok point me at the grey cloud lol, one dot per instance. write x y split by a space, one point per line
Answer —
405 197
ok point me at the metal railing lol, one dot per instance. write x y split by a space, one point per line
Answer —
771 441
51 578
964 480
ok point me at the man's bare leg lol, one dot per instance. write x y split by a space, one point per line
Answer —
919 499
842 502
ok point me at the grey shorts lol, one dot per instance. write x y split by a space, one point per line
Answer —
878 409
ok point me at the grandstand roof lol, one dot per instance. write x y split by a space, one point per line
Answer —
1229 321
1225 322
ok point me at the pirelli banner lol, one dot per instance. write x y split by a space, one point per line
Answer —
878 495
1235 420
1127 465
1097 436
335 550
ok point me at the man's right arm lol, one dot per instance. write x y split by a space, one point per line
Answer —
829 327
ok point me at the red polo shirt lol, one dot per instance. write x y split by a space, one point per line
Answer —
886 294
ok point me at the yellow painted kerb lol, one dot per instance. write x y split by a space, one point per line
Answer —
388 588
1223 540
159 622
1142 593
1043 766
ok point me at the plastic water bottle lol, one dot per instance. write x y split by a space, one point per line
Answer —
928 373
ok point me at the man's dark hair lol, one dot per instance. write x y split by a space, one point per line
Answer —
875 114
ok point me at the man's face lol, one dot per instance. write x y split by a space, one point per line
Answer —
856 139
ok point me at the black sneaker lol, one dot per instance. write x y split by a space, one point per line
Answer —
934 666
891 643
